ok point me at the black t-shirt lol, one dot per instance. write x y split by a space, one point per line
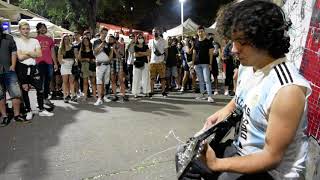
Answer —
202 51
69 54
85 54
172 56
143 49
7 47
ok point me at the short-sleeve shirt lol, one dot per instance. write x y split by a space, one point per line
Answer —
172 56
143 49
27 45
46 44
202 51
7 48
161 45
102 56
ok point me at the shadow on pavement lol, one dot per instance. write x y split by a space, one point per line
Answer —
23 147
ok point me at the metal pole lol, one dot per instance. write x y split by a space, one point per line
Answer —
182 20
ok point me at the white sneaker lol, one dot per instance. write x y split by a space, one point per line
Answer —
226 93
182 89
45 113
98 102
105 99
210 100
29 116
215 93
201 97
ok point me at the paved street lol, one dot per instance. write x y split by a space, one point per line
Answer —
131 141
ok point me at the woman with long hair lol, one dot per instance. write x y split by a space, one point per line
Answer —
188 68
141 69
88 66
66 57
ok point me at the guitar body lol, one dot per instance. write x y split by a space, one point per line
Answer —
214 135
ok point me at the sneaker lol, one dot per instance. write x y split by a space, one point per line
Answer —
210 100
215 92
5 121
98 102
226 93
74 99
105 99
45 113
201 97
29 115
47 102
164 94
21 119
114 98
66 99
182 89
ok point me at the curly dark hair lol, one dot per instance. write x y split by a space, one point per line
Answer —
262 23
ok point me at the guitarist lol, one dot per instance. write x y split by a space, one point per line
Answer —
271 143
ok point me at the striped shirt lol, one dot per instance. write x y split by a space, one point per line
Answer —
255 94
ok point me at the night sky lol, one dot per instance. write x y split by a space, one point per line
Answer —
168 15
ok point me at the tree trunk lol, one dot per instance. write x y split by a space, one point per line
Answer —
92 15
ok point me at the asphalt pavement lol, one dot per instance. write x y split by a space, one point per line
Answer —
135 140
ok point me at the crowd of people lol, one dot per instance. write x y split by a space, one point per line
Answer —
271 92
84 66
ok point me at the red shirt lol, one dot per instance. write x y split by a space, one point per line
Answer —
46 44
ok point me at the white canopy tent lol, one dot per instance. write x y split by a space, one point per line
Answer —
188 27
15 13
212 28
54 31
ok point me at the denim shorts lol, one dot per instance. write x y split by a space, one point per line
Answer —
9 82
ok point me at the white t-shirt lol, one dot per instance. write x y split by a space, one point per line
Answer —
161 45
255 94
27 45
131 57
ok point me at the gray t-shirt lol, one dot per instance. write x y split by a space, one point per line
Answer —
7 48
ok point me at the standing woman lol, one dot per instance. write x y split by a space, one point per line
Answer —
188 69
88 67
141 68
66 57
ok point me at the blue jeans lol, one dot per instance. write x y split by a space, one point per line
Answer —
9 82
203 75
46 73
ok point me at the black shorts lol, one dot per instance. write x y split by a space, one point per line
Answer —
214 67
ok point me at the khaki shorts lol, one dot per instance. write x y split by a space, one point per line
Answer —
157 68
86 73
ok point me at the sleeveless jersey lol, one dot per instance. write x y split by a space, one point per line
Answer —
254 95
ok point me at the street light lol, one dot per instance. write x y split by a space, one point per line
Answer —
181 2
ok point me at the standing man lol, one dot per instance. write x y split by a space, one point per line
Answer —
47 63
202 60
159 52
8 78
103 53
28 49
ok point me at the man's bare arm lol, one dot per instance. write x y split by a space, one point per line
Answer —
284 118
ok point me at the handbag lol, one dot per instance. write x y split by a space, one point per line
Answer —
156 51
76 71
138 64
92 66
